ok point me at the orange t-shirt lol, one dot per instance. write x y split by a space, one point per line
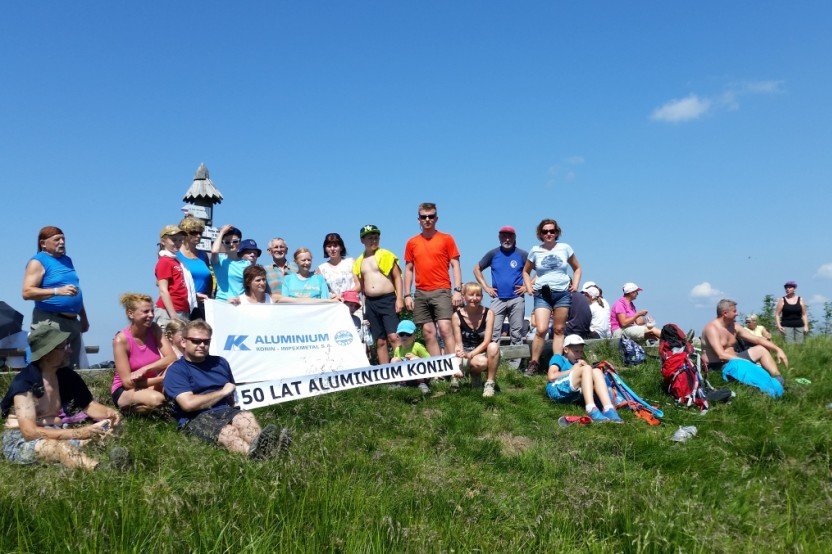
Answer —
431 259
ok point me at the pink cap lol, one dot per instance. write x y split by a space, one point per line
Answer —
508 229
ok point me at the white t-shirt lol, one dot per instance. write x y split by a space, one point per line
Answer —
600 319
551 266
338 277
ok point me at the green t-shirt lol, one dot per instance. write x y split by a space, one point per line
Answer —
417 348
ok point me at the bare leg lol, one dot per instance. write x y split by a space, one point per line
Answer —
447 335
141 401
51 450
382 352
492 352
557 329
429 332
231 440
247 426
760 354
541 327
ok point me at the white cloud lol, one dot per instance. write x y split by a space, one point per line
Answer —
693 106
817 300
824 271
575 160
704 290
684 109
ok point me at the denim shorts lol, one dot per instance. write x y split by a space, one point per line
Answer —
560 299
560 390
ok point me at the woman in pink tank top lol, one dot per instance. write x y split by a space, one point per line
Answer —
142 355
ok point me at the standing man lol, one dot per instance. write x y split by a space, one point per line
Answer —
718 340
202 388
506 263
380 278
280 268
430 253
51 281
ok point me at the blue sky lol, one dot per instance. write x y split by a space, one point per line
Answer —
683 146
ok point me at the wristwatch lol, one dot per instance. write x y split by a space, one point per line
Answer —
457 289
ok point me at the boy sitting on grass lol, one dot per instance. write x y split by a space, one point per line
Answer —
570 377
409 349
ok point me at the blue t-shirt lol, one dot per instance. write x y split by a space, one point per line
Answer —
551 266
199 271
561 361
57 273
506 270
209 375
229 275
235 277
314 287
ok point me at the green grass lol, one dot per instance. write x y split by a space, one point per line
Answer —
381 470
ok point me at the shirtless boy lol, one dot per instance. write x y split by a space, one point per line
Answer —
380 277
718 340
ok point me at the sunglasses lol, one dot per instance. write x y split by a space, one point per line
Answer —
197 342
427 216
405 335
547 232
230 242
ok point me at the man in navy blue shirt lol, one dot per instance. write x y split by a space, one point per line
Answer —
506 263
202 388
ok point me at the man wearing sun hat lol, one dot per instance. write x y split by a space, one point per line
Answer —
507 290
626 320
41 395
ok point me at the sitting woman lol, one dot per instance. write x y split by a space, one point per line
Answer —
254 285
142 354
473 328
305 285
599 327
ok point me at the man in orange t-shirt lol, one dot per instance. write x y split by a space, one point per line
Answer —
430 253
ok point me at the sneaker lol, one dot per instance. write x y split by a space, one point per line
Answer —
424 388
476 380
265 442
488 390
532 369
612 415
119 460
597 416
454 384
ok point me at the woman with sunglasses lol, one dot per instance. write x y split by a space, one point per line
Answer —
223 253
142 353
196 262
552 288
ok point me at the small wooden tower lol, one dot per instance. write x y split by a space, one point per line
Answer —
201 198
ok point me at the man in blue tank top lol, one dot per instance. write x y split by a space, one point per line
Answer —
51 281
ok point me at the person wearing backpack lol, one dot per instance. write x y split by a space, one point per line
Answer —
718 340
571 378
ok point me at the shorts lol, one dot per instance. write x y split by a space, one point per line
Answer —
742 355
380 311
464 363
635 332
116 395
18 450
207 426
555 299
560 390
432 305
161 317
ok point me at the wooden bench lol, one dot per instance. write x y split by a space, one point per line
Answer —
6 353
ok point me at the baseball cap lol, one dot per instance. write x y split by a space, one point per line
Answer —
587 285
593 292
249 244
169 230
572 340
631 287
508 229
368 230
350 296
406 326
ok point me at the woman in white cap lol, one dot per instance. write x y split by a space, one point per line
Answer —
626 320
600 308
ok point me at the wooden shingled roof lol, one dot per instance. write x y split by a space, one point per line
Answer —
202 190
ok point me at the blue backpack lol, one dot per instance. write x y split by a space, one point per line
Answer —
631 352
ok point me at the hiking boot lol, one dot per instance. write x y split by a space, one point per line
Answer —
596 416
119 460
265 442
424 388
532 369
284 441
488 390
612 415
454 384
476 380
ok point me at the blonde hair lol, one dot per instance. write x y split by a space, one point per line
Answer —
131 300
471 286
174 326
300 251
190 224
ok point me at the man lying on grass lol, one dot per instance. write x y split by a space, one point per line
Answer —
571 378
202 388
719 337
45 394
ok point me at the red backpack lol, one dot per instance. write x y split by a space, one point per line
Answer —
682 377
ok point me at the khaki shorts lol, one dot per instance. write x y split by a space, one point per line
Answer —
432 305
635 332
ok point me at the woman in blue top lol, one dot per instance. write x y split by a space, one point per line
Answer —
552 288
196 261
304 284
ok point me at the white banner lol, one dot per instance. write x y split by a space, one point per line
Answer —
256 395
266 342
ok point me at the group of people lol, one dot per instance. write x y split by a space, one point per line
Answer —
162 354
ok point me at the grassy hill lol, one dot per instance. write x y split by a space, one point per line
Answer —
383 470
